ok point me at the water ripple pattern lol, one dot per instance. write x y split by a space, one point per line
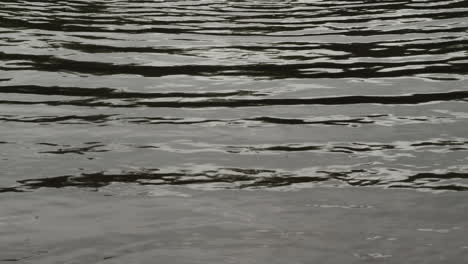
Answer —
219 94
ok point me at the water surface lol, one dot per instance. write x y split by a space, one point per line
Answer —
233 94
311 123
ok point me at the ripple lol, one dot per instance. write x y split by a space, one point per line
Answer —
219 102
250 178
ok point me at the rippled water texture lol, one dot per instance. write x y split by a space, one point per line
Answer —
233 94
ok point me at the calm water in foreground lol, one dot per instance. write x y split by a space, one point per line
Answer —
233 131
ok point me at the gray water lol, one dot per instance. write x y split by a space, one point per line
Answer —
234 94
137 97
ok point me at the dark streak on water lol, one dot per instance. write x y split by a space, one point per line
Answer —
235 178
234 94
